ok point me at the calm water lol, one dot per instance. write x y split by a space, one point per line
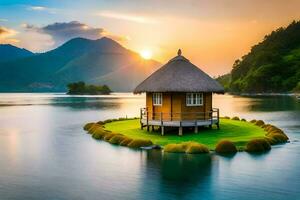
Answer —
45 154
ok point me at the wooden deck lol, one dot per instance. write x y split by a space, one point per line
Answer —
179 120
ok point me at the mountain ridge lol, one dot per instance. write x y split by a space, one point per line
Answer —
78 59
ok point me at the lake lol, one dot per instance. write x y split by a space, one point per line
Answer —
45 154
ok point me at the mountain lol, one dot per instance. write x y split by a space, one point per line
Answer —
273 65
101 61
9 52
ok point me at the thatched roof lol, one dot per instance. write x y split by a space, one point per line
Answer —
179 75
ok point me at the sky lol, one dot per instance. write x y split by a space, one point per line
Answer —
211 33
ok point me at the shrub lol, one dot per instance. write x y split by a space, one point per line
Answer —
107 121
271 140
225 147
137 143
100 133
108 136
88 126
125 141
116 139
96 135
100 123
244 120
258 145
174 148
253 121
279 138
235 118
94 128
196 148
226 117
259 123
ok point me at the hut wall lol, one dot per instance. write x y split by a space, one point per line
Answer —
175 103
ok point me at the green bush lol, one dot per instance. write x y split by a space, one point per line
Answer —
226 117
235 118
196 148
271 140
174 148
253 121
243 120
258 145
125 141
259 123
100 123
88 126
116 139
225 147
137 143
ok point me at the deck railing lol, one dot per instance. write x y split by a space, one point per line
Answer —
179 116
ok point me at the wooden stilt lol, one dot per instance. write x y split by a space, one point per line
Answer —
196 129
180 131
148 128
162 130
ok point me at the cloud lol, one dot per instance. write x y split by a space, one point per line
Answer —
6 35
126 17
64 31
41 9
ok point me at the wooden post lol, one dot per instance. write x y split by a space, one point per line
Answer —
218 117
147 120
196 127
161 124
180 129
141 117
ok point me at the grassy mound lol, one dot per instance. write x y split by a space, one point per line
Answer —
93 128
258 145
243 120
88 126
116 139
108 136
174 148
137 143
225 147
275 135
235 118
186 147
253 121
125 141
259 123
197 148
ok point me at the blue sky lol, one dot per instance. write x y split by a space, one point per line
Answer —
211 33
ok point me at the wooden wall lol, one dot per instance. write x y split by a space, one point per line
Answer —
175 103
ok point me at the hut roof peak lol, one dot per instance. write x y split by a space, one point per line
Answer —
179 75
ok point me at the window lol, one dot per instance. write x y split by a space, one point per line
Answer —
194 99
157 99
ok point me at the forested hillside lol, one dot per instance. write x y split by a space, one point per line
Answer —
273 65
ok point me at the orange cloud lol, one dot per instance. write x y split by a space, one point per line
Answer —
6 35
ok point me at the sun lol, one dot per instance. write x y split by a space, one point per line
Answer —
146 54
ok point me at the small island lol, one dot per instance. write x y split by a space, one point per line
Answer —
235 135
80 88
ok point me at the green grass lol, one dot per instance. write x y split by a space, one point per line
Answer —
239 132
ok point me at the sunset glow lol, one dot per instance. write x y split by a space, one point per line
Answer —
146 54
213 34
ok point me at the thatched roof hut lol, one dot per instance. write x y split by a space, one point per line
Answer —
179 75
179 94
